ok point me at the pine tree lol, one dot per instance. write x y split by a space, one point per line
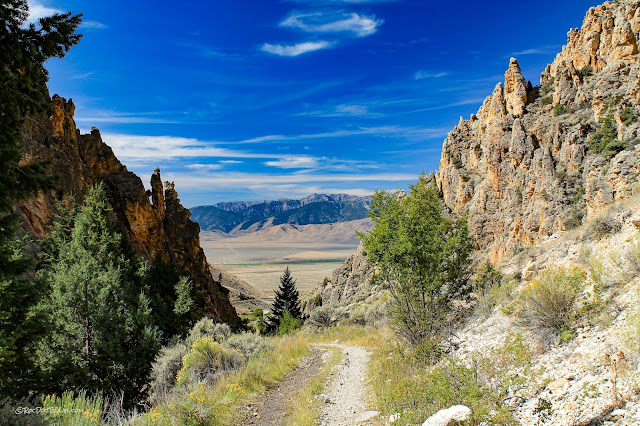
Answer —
287 300
23 90
101 336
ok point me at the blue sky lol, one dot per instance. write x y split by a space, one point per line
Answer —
255 99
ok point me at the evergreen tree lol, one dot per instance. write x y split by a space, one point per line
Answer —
25 48
101 336
287 300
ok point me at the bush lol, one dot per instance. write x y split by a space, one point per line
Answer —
546 304
605 140
164 372
8 414
574 220
248 344
601 227
627 116
492 288
206 360
422 253
547 100
207 327
586 71
322 317
288 324
559 109
80 410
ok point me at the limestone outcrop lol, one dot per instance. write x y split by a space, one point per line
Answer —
521 167
158 229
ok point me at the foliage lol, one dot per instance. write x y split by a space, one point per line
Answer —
248 344
219 403
491 288
74 410
574 219
101 334
547 100
28 406
322 317
403 385
205 360
170 299
164 371
546 304
586 71
288 323
559 109
25 49
287 300
422 254
605 140
206 327
627 116
602 226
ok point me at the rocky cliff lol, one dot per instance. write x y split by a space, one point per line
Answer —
158 229
521 167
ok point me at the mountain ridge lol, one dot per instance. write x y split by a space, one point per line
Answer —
238 216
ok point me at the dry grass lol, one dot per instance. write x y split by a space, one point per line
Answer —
305 409
218 403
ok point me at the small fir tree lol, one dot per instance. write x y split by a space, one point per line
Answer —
287 300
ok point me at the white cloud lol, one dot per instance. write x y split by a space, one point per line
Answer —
542 50
153 148
231 162
97 117
294 162
244 180
92 25
82 76
334 22
204 167
37 10
295 49
420 75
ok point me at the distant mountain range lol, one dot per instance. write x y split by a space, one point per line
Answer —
248 216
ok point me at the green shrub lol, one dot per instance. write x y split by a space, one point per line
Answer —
546 304
288 324
492 288
602 226
547 100
27 417
317 301
322 317
207 359
605 140
248 344
559 109
574 219
207 327
627 116
164 372
586 71
81 410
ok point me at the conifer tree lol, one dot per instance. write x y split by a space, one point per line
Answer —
287 300
24 50
101 336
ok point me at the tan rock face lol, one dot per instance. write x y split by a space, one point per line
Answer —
523 173
158 229
515 89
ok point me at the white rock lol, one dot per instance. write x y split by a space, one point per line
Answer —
367 415
450 416
394 417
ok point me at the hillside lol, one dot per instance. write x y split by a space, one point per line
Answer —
159 228
249 216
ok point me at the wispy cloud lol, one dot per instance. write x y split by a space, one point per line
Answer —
295 49
542 50
110 117
333 22
153 148
206 167
325 2
343 110
294 162
93 25
421 75
82 76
